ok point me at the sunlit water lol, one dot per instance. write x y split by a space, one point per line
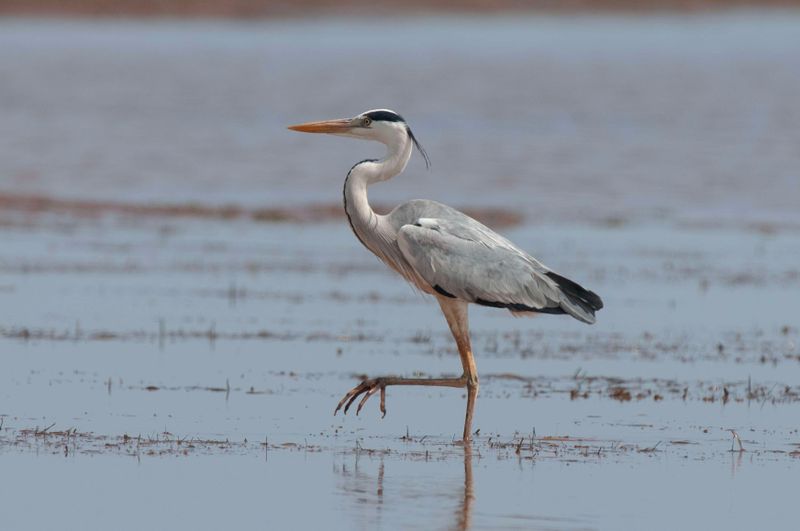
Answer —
678 134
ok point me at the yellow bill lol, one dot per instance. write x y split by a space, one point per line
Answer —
326 126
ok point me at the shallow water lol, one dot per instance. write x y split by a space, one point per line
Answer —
189 365
205 371
320 490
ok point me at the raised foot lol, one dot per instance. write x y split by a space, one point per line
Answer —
373 385
367 388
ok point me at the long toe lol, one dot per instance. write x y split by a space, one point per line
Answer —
348 398
363 388
372 391
367 388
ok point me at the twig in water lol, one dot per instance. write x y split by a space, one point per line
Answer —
736 439
767 395
519 446
44 431
651 449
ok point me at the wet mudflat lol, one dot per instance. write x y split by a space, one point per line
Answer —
178 357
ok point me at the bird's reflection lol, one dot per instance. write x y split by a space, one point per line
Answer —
372 493
736 462
464 514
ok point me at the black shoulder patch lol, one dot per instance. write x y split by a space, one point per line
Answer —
441 291
385 116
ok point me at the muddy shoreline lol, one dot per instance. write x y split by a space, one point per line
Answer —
313 213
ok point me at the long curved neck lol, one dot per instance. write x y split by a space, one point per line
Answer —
366 224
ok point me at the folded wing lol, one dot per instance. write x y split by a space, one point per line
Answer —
463 259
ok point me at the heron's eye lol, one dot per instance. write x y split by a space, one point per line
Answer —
367 121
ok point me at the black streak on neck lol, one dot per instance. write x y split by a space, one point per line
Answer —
344 195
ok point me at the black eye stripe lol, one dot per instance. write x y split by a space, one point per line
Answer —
385 116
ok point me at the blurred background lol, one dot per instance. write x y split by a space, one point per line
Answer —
175 265
612 116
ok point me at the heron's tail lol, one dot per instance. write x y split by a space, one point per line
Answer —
577 301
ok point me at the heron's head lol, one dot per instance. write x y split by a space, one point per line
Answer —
381 125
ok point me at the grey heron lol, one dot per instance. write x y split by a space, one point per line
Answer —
444 253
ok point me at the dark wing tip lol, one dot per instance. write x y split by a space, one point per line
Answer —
575 290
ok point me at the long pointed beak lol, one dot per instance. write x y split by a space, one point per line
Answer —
326 126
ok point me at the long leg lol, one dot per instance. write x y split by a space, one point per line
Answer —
455 312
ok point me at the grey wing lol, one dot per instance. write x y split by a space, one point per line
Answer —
461 258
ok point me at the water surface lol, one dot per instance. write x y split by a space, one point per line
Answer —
183 369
